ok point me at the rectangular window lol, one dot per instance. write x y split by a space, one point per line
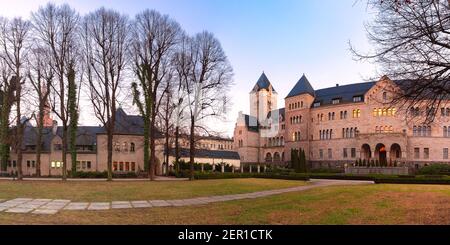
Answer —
426 153
121 166
345 154
316 104
78 165
445 153
336 101
114 166
133 166
357 99
88 164
127 166
14 163
83 164
57 147
28 164
416 153
330 154
33 164
353 152
321 154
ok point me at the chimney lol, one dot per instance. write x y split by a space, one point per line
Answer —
337 84
54 127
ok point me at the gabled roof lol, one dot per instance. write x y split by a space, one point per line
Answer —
301 87
263 83
345 92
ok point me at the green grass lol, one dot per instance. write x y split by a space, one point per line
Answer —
133 190
371 204
367 204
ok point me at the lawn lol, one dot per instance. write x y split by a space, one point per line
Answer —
132 190
371 204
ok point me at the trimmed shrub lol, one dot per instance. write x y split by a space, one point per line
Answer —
435 169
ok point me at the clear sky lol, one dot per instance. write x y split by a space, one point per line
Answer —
283 38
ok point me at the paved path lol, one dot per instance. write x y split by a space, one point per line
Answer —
53 206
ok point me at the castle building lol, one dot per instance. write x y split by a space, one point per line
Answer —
340 125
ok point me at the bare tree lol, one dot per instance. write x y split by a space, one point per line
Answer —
40 75
7 90
209 78
14 44
411 39
57 28
154 39
105 42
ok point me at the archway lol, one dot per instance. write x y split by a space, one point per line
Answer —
395 152
268 157
366 153
276 157
380 153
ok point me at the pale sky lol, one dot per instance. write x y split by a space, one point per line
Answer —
283 38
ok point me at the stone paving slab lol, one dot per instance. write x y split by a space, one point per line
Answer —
76 206
141 204
19 210
22 199
45 211
121 205
99 206
159 203
3 209
29 205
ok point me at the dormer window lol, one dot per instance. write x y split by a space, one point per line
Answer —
336 101
357 99
317 104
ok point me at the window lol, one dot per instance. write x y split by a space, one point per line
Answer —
445 153
127 166
345 154
133 166
316 104
416 153
132 147
56 164
356 113
117 146
120 166
384 96
357 99
426 153
57 147
321 154
336 101
28 164
446 131
88 164
353 152
114 166
330 154
125 146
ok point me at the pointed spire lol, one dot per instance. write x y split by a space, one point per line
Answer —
263 83
302 87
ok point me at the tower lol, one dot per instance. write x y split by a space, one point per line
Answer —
47 118
263 98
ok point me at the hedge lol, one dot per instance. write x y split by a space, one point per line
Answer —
430 181
291 176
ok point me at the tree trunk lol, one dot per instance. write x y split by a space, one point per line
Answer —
167 150
64 152
177 149
110 151
39 139
192 147
152 149
19 128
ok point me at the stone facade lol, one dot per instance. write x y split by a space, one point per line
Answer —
339 125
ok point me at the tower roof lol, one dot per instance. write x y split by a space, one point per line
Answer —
302 87
263 83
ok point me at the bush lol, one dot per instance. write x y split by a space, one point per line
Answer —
102 175
326 170
435 169
290 176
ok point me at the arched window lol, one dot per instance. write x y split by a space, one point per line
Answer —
384 96
331 133
345 114
282 140
445 131
125 146
332 116
343 132
429 131
328 134
347 133
351 133
132 147
420 131
414 131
